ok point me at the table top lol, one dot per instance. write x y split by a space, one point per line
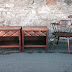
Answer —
41 28
10 27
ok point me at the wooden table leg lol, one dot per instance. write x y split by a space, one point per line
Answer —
47 41
68 45
53 43
19 40
22 40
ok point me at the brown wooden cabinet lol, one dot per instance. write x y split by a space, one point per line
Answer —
10 37
35 36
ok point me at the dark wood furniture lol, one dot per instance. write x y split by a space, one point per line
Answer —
35 36
58 32
10 37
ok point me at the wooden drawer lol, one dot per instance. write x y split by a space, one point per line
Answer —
35 33
9 33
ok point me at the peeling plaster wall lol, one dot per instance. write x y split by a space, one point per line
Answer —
34 12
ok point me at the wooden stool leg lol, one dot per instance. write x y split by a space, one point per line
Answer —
19 40
53 43
23 41
68 45
47 41
57 40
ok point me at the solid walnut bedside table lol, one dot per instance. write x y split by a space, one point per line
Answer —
10 37
35 36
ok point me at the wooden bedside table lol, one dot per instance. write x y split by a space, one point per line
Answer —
6 35
35 36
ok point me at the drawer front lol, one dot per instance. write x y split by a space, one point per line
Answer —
34 33
9 33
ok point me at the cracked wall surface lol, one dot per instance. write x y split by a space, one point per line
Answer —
33 12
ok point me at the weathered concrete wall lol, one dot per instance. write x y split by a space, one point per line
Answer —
33 12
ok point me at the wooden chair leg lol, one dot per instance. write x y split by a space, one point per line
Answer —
68 45
58 41
53 43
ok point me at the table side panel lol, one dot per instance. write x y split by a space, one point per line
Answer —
9 33
35 33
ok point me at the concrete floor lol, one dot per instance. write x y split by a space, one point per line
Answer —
37 60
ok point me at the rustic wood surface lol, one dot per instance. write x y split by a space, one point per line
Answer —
8 32
35 28
33 32
10 27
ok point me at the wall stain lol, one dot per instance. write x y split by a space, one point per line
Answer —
68 1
